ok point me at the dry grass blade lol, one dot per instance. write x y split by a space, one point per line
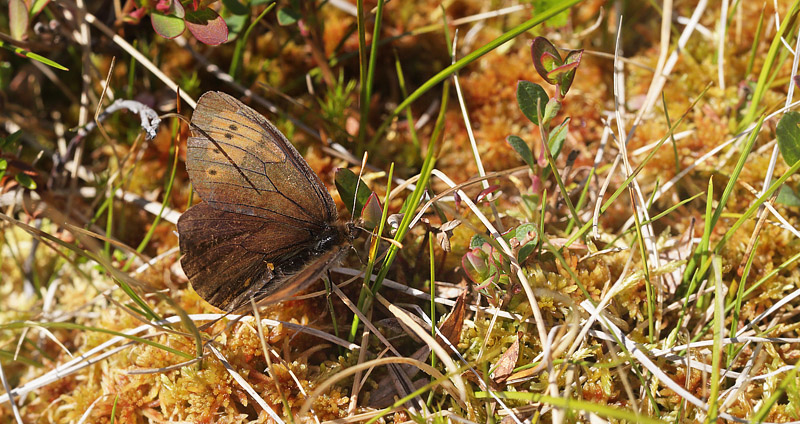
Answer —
454 373
444 380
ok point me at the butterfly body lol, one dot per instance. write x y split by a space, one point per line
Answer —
267 227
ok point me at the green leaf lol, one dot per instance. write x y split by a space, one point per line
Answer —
10 141
3 164
787 196
26 181
521 147
556 142
287 16
551 109
529 95
235 7
346 182
17 18
477 241
236 23
207 26
557 137
788 133
372 212
559 20
532 202
167 26
521 234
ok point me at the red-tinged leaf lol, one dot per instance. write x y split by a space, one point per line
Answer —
565 74
17 18
163 6
536 184
167 26
207 26
545 56
507 362
372 212
560 73
135 16
475 265
486 192
174 7
574 56
452 325
549 62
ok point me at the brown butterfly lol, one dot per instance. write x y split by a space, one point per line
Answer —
267 227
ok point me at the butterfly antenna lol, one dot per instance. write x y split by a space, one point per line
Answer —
391 241
358 182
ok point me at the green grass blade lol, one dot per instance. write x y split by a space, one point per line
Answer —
769 64
409 206
471 57
366 287
716 355
602 410
588 225
242 41
31 55
703 246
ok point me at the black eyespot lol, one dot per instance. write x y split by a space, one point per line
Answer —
233 127
228 136
212 172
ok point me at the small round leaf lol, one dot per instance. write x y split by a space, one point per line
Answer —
167 26
207 26
788 133
529 96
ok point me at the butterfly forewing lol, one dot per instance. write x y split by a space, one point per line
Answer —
239 162
264 209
